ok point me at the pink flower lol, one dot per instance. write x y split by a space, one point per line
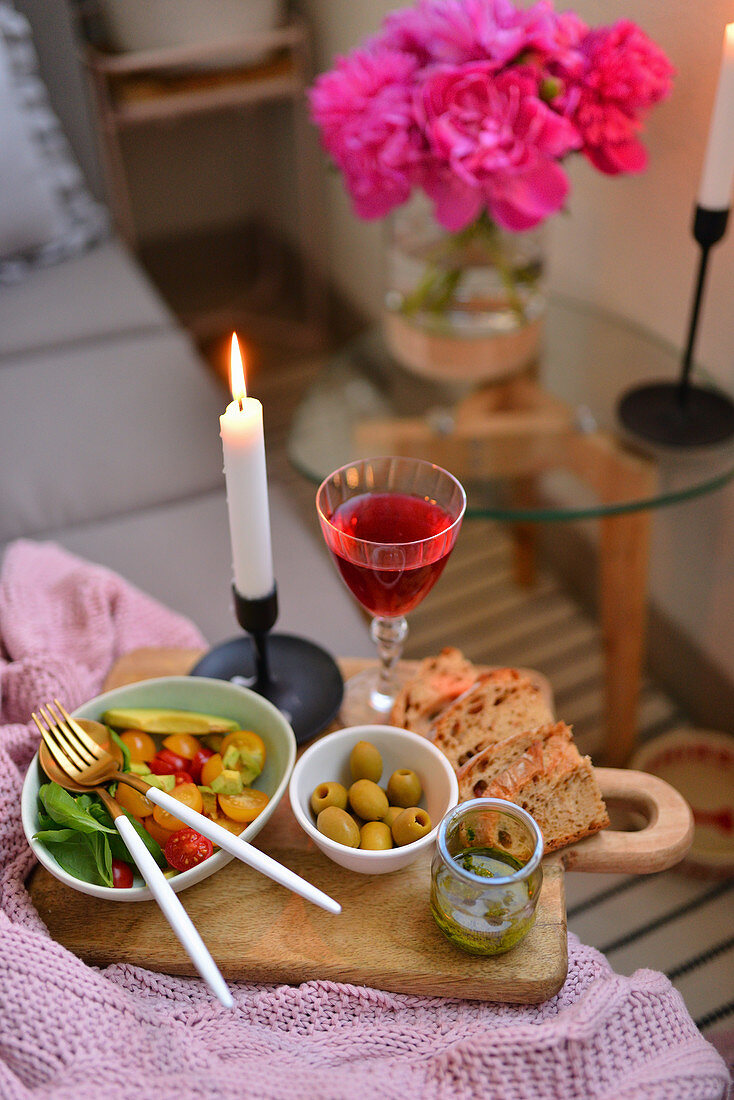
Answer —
478 102
609 135
364 110
496 144
456 31
624 65
625 75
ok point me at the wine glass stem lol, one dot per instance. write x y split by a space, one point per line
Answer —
388 635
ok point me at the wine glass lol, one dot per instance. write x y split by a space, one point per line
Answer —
390 524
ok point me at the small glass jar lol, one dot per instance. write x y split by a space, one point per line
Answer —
486 875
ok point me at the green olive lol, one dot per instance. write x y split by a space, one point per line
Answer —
368 800
328 794
365 762
375 836
404 788
412 824
392 813
338 826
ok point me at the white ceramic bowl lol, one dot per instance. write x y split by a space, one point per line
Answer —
198 693
327 760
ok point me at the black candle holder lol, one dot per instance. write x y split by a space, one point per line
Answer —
679 414
299 677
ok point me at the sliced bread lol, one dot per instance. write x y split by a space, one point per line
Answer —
437 682
500 703
543 772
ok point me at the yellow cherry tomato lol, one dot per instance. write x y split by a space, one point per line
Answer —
133 801
141 746
234 827
245 806
156 831
211 769
190 795
185 744
248 740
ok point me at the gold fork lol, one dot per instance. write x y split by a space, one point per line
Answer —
87 763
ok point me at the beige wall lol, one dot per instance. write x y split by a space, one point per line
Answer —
626 245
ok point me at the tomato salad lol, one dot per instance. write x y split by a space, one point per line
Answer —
210 773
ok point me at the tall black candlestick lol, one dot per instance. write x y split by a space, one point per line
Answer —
679 414
299 677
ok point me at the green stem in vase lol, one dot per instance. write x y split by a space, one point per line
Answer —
490 236
446 263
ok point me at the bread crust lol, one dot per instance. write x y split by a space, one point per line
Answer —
498 730
543 772
438 681
500 703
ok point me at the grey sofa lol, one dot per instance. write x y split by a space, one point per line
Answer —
109 423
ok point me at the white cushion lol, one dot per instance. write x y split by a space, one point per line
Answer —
29 212
100 293
180 553
47 212
104 428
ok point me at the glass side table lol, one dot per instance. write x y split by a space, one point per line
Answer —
545 446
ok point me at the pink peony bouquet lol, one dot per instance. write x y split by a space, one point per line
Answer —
479 102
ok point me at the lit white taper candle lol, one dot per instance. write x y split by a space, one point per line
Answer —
243 445
714 192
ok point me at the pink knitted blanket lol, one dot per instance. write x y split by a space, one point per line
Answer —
68 1030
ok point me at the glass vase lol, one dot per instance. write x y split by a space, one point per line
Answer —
466 306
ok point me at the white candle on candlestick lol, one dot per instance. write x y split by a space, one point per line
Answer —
243 445
714 192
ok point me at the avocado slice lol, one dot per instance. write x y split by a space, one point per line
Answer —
139 769
162 782
157 720
240 760
231 758
227 782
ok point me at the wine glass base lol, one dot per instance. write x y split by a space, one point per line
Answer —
305 682
363 704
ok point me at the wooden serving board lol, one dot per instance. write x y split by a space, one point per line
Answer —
385 936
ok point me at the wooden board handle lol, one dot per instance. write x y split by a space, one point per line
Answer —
660 844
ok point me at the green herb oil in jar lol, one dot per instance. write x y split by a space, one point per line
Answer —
483 898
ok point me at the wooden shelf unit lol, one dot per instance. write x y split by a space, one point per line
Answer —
157 86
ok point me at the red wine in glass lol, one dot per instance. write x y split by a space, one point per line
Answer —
390 524
389 577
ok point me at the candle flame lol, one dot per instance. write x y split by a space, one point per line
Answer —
237 371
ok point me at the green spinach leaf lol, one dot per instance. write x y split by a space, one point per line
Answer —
117 844
54 836
77 858
102 851
69 812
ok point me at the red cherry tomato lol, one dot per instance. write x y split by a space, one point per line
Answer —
197 763
122 874
166 762
186 849
182 777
